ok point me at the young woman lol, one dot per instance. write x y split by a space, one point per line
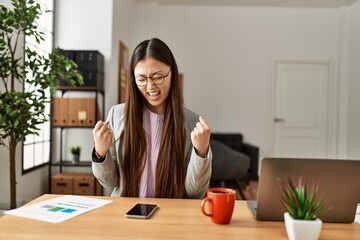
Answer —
152 146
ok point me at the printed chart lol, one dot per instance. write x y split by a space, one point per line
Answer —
59 209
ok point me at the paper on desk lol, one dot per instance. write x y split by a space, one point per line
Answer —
357 216
59 209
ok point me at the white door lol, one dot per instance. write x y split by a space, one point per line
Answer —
301 109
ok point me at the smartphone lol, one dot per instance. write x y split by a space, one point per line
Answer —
141 210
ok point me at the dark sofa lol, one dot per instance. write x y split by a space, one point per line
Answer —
233 160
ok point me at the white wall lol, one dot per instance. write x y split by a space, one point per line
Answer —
227 55
121 30
353 140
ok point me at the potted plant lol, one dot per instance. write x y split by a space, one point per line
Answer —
22 111
75 151
303 209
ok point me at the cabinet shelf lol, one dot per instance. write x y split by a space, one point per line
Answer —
75 111
91 116
65 127
58 161
68 163
79 88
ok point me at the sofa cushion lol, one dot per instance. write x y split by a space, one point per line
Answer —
227 164
232 140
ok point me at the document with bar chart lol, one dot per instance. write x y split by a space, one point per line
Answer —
59 209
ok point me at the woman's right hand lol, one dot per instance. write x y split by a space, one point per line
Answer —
102 137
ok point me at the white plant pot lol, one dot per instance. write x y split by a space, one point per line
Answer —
76 158
302 229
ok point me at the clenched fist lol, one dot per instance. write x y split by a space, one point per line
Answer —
102 137
200 137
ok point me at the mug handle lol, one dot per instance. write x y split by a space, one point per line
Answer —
203 206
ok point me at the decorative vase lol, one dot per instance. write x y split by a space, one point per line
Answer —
302 229
76 158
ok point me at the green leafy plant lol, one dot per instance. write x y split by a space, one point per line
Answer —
299 201
75 150
22 110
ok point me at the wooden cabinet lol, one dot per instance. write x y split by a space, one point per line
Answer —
75 183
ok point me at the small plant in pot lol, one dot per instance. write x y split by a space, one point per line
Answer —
303 209
75 151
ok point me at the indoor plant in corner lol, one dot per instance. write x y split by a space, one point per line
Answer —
22 111
302 209
75 151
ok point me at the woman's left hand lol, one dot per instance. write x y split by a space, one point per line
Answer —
200 137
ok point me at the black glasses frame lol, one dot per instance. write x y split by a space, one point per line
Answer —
152 81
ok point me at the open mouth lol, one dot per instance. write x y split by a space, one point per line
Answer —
154 94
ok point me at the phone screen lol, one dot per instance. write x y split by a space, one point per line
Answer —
141 210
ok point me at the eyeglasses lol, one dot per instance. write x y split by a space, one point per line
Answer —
156 79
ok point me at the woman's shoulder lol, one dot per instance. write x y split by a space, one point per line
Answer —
116 118
118 108
190 117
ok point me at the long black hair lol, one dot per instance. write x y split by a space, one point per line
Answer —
170 167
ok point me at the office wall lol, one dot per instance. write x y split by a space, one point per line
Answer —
227 55
353 140
121 30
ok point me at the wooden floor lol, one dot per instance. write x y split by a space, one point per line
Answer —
249 190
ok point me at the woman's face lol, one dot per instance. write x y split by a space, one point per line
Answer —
155 95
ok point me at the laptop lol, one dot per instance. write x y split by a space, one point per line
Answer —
339 186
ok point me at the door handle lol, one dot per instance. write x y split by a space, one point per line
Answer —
279 120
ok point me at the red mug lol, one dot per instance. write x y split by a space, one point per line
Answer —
220 204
